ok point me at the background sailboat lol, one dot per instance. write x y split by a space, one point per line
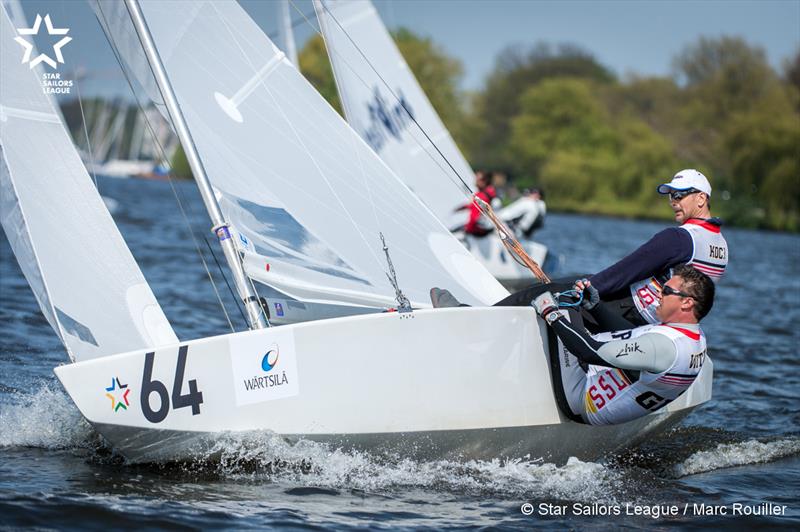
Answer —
386 105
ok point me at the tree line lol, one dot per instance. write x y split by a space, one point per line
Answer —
555 117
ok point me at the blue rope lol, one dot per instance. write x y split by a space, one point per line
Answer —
572 293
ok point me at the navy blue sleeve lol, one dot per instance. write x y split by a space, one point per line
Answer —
667 248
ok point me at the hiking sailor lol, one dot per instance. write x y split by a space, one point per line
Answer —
633 283
618 376
526 214
630 287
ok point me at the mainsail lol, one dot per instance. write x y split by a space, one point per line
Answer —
82 273
308 199
383 105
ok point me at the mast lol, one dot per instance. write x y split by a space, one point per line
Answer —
287 34
220 227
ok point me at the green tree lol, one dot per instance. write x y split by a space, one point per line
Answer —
180 164
316 67
516 70
741 119
587 158
726 74
764 148
557 115
792 70
439 76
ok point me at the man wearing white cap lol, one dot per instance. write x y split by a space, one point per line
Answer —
631 288
634 283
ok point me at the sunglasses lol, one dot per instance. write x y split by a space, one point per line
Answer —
669 291
677 195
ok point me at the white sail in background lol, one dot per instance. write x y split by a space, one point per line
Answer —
307 194
378 109
82 273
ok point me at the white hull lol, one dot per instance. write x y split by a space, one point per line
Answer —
491 253
464 382
121 168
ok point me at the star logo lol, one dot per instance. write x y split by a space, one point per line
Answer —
118 393
28 46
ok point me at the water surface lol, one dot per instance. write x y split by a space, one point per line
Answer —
742 447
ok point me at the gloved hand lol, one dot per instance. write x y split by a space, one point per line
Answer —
591 297
546 306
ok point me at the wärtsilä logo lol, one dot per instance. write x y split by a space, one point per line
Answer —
28 45
268 363
270 359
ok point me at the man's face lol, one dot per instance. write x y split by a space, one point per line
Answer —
670 305
687 207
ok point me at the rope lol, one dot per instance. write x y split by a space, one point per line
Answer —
224 277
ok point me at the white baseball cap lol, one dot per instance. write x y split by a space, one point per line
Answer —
684 180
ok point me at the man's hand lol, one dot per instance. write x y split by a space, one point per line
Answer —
546 306
591 297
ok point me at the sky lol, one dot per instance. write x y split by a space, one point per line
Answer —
629 37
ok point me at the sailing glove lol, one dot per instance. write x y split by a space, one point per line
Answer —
591 297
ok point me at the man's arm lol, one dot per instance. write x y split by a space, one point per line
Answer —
651 352
667 248
608 320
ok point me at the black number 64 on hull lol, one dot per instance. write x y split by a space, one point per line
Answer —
149 386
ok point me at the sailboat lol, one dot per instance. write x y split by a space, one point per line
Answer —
460 382
383 101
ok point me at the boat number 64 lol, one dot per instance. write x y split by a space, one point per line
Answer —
149 386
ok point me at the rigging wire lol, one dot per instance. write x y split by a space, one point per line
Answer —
466 188
86 133
224 277
162 153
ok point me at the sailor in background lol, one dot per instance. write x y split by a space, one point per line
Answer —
526 214
476 224
632 286
619 376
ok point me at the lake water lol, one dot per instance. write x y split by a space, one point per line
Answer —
741 448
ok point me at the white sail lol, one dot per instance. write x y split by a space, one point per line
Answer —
85 279
308 195
378 105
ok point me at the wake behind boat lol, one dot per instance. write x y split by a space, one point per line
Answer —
471 382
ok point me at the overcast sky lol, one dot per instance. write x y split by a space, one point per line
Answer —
629 36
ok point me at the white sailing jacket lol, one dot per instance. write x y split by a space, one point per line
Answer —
709 255
611 397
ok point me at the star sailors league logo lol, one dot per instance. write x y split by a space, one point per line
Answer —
118 394
28 45
52 83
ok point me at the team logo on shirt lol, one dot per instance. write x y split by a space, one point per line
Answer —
627 349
